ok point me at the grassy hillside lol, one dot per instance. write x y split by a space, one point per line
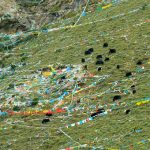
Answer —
124 27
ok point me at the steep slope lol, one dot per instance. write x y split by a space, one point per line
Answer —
125 123
18 15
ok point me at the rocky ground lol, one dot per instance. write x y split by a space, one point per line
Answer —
18 15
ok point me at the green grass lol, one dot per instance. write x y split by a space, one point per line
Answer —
67 46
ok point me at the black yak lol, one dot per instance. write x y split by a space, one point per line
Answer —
133 86
99 62
82 60
98 56
85 67
134 91
116 97
139 62
128 74
127 111
46 120
99 111
107 59
118 67
112 51
105 45
99 68
89 51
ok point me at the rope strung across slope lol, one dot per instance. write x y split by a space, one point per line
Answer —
47 30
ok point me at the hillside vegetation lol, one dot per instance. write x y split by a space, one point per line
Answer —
45 75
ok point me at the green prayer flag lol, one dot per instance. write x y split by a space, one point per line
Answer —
99 8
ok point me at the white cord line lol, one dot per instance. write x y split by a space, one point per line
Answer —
68 136
82 12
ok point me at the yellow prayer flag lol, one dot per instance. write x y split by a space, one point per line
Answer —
45 111
107 6
46 74
141 103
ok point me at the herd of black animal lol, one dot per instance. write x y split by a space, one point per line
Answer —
95 114
100 61
98 57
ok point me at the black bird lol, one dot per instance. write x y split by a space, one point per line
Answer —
46 120
116 97
128 74
105 45
99 62
112 51
98 56
107 59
